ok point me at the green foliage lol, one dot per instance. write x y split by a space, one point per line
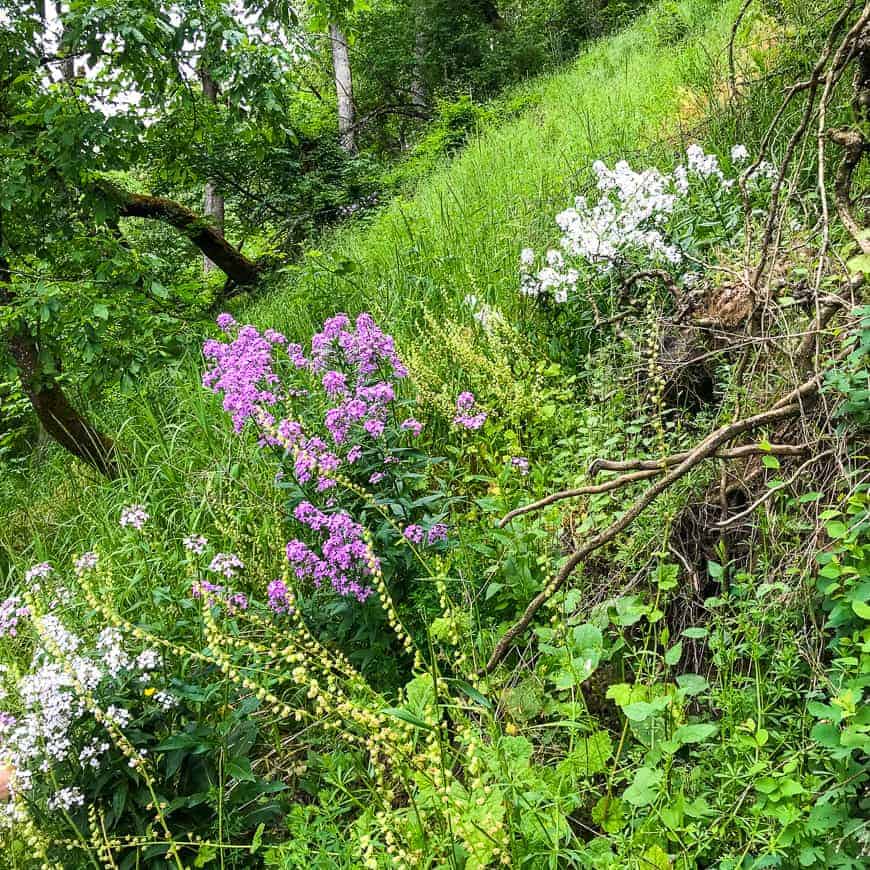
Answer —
656 714
851 378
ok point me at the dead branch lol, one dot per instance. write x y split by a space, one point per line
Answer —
676 458
197 229
854 147
647 468
705 449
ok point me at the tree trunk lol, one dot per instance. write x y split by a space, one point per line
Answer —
418 83
212 243
343 89
53 409
213 200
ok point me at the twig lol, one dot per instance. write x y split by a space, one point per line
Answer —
723 524
677 458
732 72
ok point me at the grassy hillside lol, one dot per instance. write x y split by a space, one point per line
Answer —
635 93
690 697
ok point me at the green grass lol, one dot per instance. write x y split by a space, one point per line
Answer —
460 233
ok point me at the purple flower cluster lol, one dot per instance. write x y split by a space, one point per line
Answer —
521 464
134 516
363 346
12 611
85 562
344 557
195 544
416 534
415 427
279 597
465 404
356 364
214 595
242 371
35 573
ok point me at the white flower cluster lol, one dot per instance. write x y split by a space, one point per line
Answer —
66 799
85 562
195 544
629 222
52 722
134 516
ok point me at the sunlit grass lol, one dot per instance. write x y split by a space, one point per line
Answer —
460 233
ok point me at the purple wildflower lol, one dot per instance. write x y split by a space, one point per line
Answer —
465 401
134 516
415 427
438 532
294 351
521 464
377 477
85 562
335 383
225 321
375 428
344 556
414 533
195 544
354 454
274 337
226 564
243 373
37 572
279 598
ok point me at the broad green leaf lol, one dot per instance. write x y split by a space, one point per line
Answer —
644 789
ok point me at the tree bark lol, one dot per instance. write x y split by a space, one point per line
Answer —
212 243
50 404
213 200
343 89
419 97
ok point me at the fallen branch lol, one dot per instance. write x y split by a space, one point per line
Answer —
706 449
676 458
643 470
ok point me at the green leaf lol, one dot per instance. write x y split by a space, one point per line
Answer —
609 814
589 756
644 789
836 529
101 310
715 570
672 656
692 684
639 711
205 856
405 716
696 733
861 609
257 838
240 769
